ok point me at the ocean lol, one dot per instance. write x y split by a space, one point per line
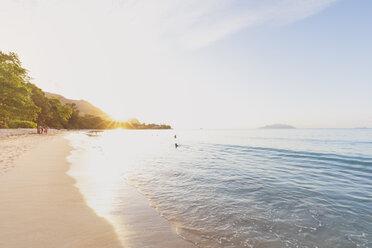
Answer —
230 188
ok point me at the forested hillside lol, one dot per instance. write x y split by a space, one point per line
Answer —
23 104
84 107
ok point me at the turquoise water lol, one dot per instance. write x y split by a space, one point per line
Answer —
245 188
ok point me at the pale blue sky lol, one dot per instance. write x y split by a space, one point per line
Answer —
212 63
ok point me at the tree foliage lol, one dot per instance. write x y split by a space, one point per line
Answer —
15 96
21 124
23 104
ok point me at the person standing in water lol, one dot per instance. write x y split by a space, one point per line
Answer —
176 145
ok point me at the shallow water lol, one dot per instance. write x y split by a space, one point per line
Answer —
236 188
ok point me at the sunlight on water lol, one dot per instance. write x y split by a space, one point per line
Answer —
100 164
231 188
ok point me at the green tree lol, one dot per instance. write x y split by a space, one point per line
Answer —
40 100
74 122
15 96
59 114
93 122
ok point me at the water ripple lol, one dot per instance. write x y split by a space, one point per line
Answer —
223 195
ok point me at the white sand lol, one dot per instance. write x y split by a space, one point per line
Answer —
15 142
39 204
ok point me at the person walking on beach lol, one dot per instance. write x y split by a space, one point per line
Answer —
46 130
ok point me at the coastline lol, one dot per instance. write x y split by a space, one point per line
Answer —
105 189
39 203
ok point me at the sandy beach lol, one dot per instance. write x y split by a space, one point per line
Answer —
39 204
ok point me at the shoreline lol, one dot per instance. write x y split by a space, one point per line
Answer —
40 206
136 221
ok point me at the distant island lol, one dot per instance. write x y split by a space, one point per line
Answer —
278 126
24 105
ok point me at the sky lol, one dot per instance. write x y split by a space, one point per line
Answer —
210 63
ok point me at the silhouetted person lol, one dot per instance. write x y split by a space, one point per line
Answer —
175 136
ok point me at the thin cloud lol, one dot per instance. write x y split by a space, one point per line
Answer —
220 23
193 24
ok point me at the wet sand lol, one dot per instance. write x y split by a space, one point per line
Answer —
39 204
102 180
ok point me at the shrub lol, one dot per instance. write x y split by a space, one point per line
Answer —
3 124
21 124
